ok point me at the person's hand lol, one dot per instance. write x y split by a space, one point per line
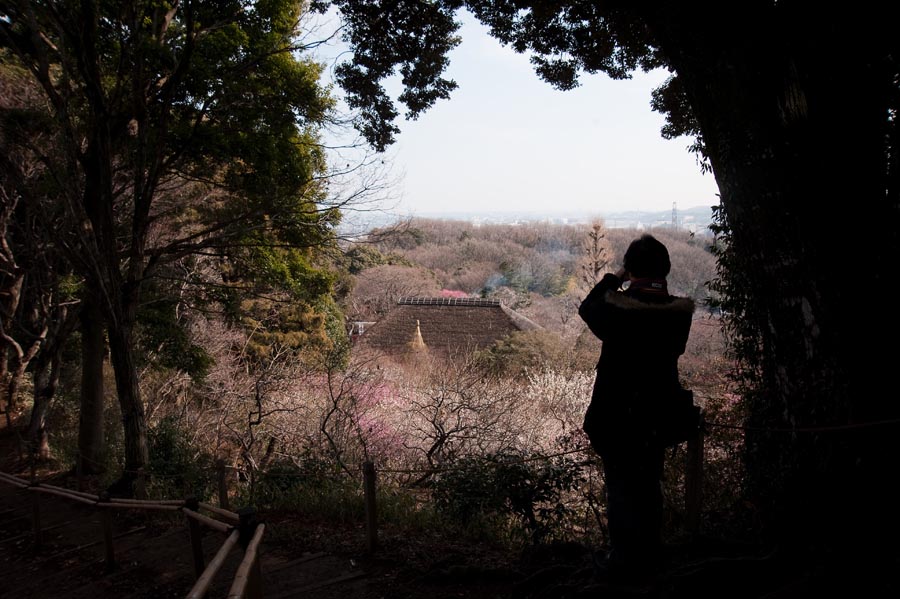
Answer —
622 274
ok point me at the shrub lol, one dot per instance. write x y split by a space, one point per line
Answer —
530 490
177 468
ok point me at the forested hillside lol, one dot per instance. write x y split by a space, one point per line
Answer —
542 270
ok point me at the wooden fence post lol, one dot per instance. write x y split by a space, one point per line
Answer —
140 484
36 518
79 471
35 505
247 524
371 507
223 484
693 481
193 504
106 517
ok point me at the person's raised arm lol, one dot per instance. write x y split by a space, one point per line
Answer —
595 310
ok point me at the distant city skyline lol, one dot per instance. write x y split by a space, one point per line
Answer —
507 141
694 219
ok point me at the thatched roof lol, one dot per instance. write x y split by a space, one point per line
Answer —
444 325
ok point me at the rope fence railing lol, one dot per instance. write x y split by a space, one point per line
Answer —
693 472
486 460
833 428
693 486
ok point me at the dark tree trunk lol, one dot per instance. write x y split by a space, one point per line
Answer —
22 359
120 292
91 441
796 128
46 378
12 277
133 421
10 379
4 379
46 373
13 382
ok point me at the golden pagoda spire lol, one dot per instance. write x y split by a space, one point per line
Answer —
417 343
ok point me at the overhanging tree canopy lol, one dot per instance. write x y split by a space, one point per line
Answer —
794 109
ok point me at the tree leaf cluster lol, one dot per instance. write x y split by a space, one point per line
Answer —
172 160
409 39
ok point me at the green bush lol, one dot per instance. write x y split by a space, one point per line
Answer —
310 484
529 491
176 468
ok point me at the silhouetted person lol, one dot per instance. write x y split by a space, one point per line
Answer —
644 330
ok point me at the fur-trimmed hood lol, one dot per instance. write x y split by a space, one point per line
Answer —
637 322
627 302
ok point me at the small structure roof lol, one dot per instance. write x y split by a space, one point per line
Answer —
444 325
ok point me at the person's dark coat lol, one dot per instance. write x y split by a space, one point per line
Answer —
644 331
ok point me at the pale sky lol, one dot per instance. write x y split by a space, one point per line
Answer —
508 141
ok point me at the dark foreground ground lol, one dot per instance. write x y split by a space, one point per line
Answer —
304 558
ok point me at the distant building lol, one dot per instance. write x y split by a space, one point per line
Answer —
358 328
443 325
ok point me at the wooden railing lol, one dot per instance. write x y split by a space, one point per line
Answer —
240 528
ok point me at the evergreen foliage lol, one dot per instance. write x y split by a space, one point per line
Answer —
185 165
